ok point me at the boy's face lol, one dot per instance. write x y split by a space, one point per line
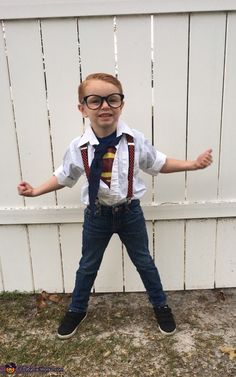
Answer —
104 119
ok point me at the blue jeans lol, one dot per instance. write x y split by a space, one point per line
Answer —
128 222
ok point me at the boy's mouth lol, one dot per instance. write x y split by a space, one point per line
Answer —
105 115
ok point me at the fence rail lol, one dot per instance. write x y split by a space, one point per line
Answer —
176 60
24 9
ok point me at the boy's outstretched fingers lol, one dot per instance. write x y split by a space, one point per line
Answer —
204 160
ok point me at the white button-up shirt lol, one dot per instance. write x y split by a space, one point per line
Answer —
147 158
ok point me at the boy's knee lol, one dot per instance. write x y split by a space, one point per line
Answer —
87 270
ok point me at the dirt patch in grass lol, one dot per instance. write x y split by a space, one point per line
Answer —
120 336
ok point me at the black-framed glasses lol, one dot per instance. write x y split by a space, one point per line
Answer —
94 101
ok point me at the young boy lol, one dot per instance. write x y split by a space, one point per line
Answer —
111 154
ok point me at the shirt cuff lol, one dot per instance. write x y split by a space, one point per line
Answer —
158 164
63 179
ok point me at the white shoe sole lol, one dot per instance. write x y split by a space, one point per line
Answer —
167 333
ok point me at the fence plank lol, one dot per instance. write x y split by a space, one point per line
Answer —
200 255
27 81
71 244
207 34
225 253
46 260
110 275
8 150
97 45
15 259
134 50
96 38
170 96
132 279
169 253
62 78
1 278
227 176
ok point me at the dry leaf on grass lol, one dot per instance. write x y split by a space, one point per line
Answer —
44 294
54 298
230 350
220 296
41 301
43 297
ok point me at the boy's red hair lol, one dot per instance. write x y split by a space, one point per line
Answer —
99 76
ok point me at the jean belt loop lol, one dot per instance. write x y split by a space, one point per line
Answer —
98 205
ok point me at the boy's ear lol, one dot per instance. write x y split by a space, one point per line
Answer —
82 109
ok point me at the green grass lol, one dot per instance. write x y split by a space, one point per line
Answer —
119 338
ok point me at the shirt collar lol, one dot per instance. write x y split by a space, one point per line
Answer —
90 137
122 128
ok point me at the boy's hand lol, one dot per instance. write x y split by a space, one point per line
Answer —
25 189
204 160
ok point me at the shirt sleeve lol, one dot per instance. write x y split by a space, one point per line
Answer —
150 160
71 169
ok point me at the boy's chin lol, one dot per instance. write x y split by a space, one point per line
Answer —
107 123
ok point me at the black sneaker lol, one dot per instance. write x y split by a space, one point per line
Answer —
165 319
69 324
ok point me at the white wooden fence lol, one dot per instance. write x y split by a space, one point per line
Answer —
176 60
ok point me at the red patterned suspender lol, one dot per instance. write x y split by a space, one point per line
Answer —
130 141
84 153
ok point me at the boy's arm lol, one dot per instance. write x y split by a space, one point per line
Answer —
26 189
202 161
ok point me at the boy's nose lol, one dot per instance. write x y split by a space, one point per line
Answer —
105 105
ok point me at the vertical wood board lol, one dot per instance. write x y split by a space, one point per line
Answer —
170 97
61 53
71 245
200 254
46 258
227 176
96 40
207 35
96 37
110 275
1 278
134 72
9 159
15 259
169 253
29 99
225 254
